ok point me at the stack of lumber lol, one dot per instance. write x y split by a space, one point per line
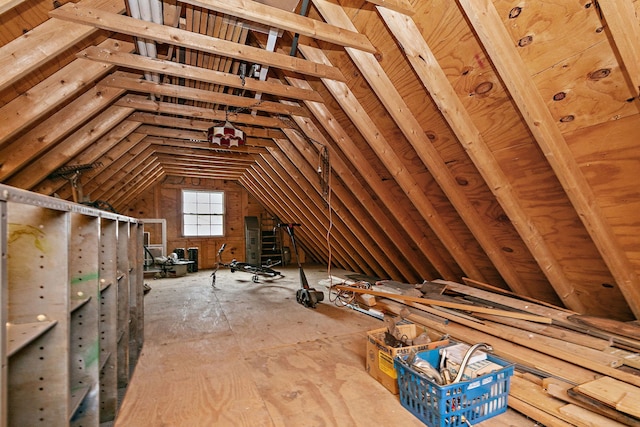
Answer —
570 369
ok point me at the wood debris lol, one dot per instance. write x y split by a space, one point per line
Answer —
570 369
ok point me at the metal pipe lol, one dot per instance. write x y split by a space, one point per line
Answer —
467 356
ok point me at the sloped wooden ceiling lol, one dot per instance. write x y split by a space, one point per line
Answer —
494 140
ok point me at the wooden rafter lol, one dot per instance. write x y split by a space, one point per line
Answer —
175 36
123 81
114 152
435 81
407 122
383 148
38 170
371 177
278 18
196 73
108 173
51 92
145 106
358 199
488 25
24 54
624 25
51 130
344 205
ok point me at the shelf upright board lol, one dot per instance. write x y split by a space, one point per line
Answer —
38 287
84 295
123 303
136 294
108 320
4 295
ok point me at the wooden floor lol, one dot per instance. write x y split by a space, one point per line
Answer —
247 354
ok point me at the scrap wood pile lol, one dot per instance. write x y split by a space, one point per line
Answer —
570 369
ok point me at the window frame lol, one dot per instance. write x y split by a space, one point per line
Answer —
184 214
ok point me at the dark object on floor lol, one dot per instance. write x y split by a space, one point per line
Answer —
146 289
306 296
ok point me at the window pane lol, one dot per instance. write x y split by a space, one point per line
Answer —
189 196
204 209
190 208
203 213
190 230
217 208
202 197
217 198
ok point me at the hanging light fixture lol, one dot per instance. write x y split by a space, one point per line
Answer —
226 135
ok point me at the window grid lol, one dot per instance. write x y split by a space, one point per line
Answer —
202 213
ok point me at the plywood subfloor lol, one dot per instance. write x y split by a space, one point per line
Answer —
246 354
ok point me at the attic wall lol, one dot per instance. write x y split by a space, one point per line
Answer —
164 201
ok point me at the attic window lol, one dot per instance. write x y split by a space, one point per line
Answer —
202 213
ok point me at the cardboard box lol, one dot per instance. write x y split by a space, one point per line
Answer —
379 356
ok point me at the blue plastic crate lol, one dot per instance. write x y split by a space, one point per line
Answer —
449 405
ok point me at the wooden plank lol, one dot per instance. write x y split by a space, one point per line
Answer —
558 354
51 92
400 6
122 81
629 404
533 395
624 25
24 54
6 5
276 17
495 289
196 73
464 307
608 325
37 171
554 332
491 31
536 413
584 418
177 37
614 393
562 390
563 345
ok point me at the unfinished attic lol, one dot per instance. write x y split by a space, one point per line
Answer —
466 167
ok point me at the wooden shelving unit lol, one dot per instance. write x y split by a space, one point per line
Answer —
64 305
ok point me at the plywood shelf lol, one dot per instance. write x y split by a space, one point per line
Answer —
19 335
77 396
75 304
